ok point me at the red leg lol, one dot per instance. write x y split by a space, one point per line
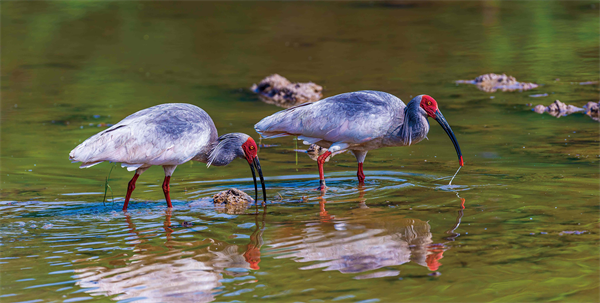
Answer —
166 189
360 174
320 162
130 189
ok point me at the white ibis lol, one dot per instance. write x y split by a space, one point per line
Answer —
358 122
167 135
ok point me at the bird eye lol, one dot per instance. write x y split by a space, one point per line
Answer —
251 147
428 102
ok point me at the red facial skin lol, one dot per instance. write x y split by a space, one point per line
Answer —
429 105
250 149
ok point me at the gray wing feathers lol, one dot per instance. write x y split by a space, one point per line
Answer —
166 134
352 118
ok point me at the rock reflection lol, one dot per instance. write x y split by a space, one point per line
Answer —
181 273
365 242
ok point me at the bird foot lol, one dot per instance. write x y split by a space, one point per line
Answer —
322 187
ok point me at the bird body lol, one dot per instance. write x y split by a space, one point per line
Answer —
361 120
167 135
358 122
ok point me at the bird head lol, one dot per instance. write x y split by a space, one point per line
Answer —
238 145
250 150
430 106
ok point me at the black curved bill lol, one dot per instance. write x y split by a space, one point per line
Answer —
256 164
442 121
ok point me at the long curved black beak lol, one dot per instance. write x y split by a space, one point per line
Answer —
256 164
442 121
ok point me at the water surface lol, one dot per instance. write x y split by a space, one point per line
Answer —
519 223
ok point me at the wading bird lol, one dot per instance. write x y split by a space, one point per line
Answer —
358 122
167 135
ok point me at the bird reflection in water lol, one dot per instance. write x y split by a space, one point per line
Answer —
252 254
437 250
185 271
365 242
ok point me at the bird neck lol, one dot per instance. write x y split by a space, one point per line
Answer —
414 127
222 158
226 149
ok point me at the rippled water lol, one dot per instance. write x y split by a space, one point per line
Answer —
519 222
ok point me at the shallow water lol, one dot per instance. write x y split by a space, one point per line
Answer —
519 222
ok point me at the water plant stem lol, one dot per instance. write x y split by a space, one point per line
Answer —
107 186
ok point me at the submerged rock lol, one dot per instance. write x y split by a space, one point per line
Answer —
232 201
540 109
232 196
572 232
492 82
278 90
559 109
591 109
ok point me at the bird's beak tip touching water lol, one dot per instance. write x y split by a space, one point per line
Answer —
256 164
442 121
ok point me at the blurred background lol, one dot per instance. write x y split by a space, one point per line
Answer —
530 181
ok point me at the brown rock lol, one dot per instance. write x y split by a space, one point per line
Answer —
232 201
540 109
278 90
493 82
591 108
557 106
558 109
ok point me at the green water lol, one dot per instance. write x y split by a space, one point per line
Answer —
529 229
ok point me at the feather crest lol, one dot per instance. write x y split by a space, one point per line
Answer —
228 147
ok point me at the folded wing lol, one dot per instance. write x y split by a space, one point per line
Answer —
352 118
167 134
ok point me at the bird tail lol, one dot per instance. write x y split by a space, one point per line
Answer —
78 154
88 164
100 147
278 124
